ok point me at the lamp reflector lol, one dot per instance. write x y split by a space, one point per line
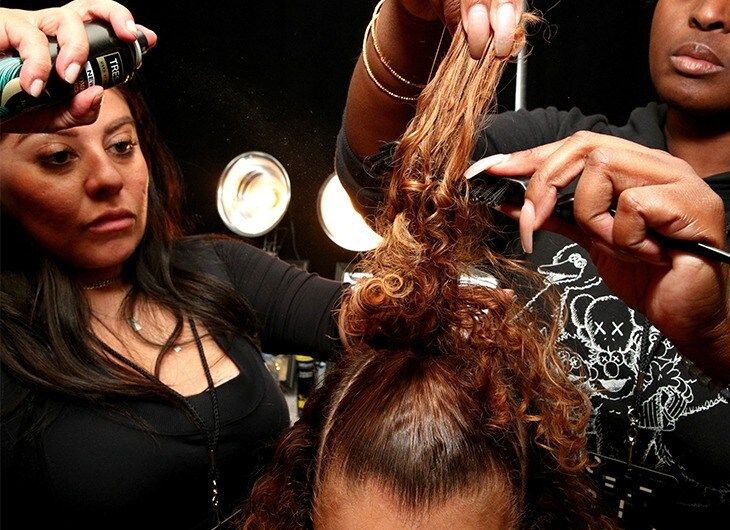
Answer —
339 219
253 194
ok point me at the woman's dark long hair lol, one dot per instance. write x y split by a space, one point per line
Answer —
446 389
47 343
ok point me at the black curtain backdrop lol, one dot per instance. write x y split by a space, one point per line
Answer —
228 77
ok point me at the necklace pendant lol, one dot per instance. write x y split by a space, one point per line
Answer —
177 348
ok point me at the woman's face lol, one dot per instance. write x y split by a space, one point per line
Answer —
689 54
80 193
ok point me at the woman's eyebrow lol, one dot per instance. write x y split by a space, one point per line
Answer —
118 123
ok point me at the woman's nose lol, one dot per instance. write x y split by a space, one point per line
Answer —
711 15
104 178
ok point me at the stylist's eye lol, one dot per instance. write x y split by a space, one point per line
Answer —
57 158
123 147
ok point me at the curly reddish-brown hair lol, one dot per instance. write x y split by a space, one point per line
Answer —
445 387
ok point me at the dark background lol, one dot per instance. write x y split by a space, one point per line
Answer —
234 76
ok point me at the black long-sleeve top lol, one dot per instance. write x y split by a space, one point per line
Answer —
94 469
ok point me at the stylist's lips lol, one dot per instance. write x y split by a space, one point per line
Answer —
695 59
112 221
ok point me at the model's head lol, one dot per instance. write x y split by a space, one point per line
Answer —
486 433
413 439
84 195
419 439
689 54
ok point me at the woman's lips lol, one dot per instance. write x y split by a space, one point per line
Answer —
695 59
110 223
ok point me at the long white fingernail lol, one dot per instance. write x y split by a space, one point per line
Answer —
477 17
131 26
72 72
484 164
504 30
478 29
527 225
36 87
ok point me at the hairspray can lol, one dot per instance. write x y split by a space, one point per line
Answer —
305 379
111 62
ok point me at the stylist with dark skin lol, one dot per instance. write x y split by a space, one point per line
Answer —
635 312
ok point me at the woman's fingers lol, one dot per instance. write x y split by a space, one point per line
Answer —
555 166
84 107
119 16
484 19
624 193
608 172
477 25
68 28
149 34
74 46
625 197
553 224
19 32
552 167
81 110
530 163
28 32
667 210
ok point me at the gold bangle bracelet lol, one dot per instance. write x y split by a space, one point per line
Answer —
369 70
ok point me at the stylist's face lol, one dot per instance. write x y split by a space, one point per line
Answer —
81 193
690 54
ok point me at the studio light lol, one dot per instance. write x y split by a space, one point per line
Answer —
339 219
253 194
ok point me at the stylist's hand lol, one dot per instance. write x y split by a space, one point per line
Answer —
28 32
685 296
480 19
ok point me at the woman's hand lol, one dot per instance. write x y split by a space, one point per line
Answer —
480 19
28 32
685 296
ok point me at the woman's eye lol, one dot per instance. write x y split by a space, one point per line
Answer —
58 158
123 147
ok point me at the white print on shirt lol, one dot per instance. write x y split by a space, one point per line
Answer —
609 335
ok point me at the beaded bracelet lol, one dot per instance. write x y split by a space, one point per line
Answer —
370 71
